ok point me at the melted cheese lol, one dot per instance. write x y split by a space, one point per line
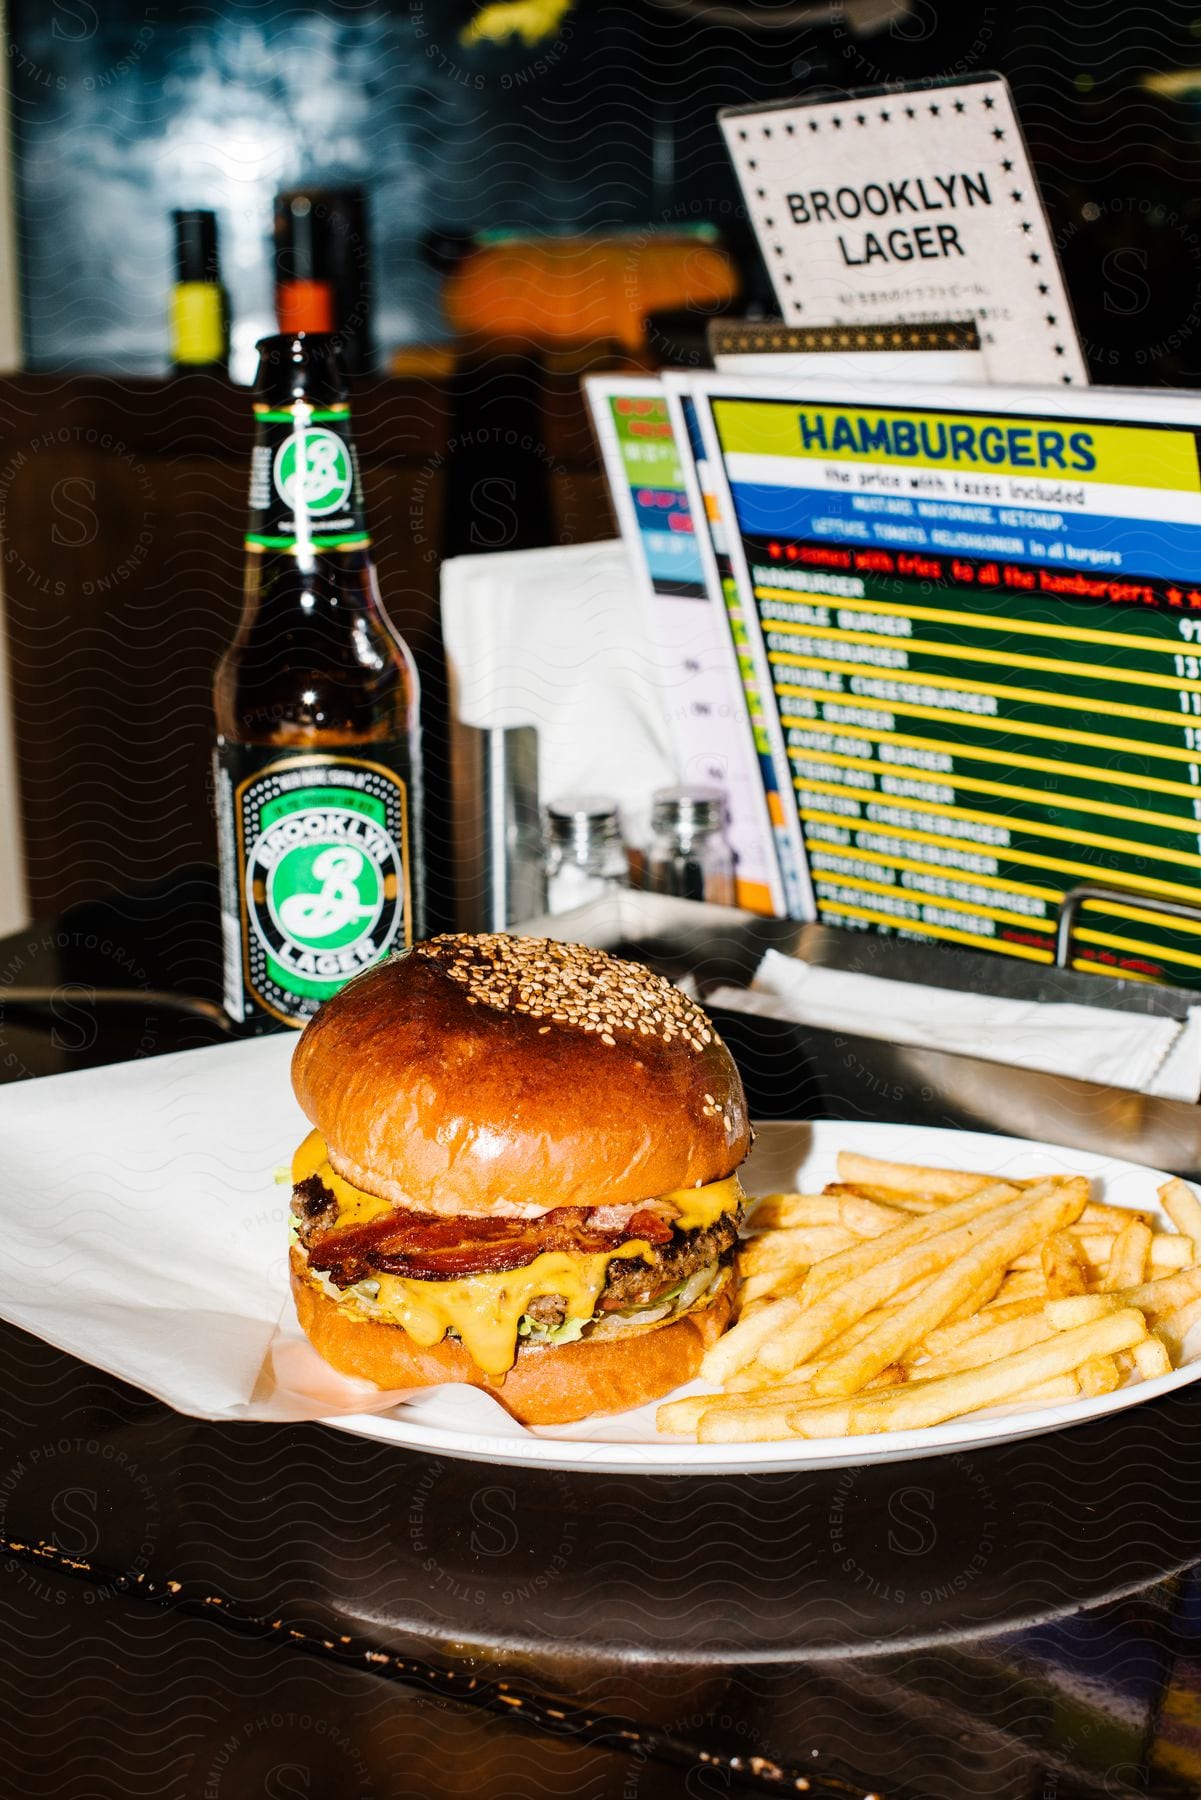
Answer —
486 1310
695 1206
704 1205
354 1206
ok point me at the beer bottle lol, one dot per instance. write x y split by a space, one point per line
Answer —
317 766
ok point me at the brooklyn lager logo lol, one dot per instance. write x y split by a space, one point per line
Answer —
319 481
325 889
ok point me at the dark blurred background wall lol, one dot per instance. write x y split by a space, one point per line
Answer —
125 109
122 488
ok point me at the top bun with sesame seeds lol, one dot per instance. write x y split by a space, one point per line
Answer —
507 1077
521 1177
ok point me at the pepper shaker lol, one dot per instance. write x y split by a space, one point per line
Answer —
690 855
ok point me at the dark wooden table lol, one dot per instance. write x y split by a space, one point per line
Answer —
203 1610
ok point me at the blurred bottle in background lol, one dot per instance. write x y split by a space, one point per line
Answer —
323 269
304 296
199 304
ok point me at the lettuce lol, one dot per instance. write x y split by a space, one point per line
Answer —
566 1333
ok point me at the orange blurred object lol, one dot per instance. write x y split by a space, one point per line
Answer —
305 306
574 290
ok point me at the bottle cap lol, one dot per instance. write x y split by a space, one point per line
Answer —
299 365
584 821
196 246
688 811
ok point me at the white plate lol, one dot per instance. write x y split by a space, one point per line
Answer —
802 1157
144 1232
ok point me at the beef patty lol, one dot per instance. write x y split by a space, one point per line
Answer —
639 1280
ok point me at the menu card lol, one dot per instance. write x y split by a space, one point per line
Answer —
975 618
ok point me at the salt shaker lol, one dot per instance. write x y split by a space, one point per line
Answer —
690 855
585 857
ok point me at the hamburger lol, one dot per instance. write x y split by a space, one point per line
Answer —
522 1175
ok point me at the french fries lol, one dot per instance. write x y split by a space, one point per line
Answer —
1101 1375
1152 1297
983 1346
814 1318
1167 1249
1172 1328
1128 1258
960 1330
786 1210
854 1212
1041 1213
1151 1358
1098 1217
798 1248
773 1284
1184 1209
908 1178
1021 1284
1063 1267
902 1297
982 1295
839 1269
895 1199
923 1403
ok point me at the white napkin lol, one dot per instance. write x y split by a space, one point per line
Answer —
562 639
145 1231
1127 1050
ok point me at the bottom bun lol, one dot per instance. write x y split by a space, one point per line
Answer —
547 1385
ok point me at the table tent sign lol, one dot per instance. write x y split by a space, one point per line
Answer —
909 204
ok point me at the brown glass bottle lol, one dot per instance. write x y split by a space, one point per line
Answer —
318 772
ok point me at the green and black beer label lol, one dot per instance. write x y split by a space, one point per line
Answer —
304 480
315 863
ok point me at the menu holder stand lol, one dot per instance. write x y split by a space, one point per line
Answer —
948 349
1078 897
800 1071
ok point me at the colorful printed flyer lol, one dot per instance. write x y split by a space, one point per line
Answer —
644 465
978 617
714 550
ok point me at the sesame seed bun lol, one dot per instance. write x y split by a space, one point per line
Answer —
503 1075
554 1385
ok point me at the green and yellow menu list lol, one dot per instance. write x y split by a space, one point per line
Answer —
984 639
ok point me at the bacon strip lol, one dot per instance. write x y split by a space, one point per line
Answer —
434 1247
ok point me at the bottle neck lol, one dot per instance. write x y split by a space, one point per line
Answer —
305 493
